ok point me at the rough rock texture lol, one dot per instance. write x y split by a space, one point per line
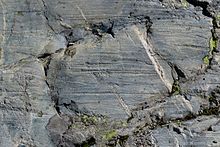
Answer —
109 73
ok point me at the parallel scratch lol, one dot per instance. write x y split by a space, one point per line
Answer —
84 17
122 102
154 60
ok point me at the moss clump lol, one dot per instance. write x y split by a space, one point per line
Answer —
216 20
120 124
110 135
212 100
176 88
206 60
210 111
89 120
124 124
85 145
213 44
218 16
178 122
184 3
123 140
40 114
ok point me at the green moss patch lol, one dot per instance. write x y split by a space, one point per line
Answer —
216 20
176 88
40 114
210 111
110 135
206 60
89 120
184 3
213 44
103 129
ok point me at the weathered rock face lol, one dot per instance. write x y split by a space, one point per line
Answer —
26 106
109 73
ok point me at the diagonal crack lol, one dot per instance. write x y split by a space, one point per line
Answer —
150 52
46 15
122 102
46 60
81 12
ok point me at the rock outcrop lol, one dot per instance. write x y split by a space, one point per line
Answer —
109 73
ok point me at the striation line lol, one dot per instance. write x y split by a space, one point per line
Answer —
81 12
154 60
122 102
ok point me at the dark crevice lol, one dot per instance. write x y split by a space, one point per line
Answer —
175 69
46 58
46 15
148 24
73 35
101 28
214 38
204 5
45 55
178 76
57 109
179 72
122 140
177 130
72 106
110 30
89 142
95 32
55 98
210 111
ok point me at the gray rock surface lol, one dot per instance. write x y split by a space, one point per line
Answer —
109 73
